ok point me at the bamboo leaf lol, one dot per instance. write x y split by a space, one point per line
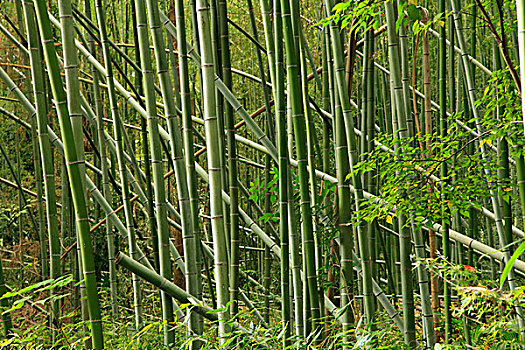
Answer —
510 264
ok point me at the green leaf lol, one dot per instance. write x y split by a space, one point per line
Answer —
415 27
413 12
510 263
340 6
399 22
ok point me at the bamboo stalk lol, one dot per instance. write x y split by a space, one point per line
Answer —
75 174
494 199
299 126
402 131
157 167
352 156
177 156
214 166
118 130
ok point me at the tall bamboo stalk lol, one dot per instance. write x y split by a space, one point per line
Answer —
299 127
75 173
100 130
282 145
157 166
344 99
231 161
214 166
402 131
494 198
43 137
118 130
346 234
177 156
188 134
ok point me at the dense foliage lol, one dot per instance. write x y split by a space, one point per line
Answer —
272 174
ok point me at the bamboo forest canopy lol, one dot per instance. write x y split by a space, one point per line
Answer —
262 174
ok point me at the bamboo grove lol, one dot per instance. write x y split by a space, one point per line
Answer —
262 174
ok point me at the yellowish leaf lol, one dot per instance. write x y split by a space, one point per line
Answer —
485 141
412 2
441 23
389 219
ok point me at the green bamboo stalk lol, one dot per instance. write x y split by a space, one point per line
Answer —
269 130
4 304
295 260
368 134
110 238
164 284
72 88
443 126
37 163
145 147
428 291
71 74
405 73
233 226
504 175
520 179
214 165
188 130
43 150
157 166
75 173
472 220
326 99
289 246
402 132
494 198
311 142
188 232
299 126
342 166
118 130
346 234
222 69
424 285
92 95
269 34
344 99
11 38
